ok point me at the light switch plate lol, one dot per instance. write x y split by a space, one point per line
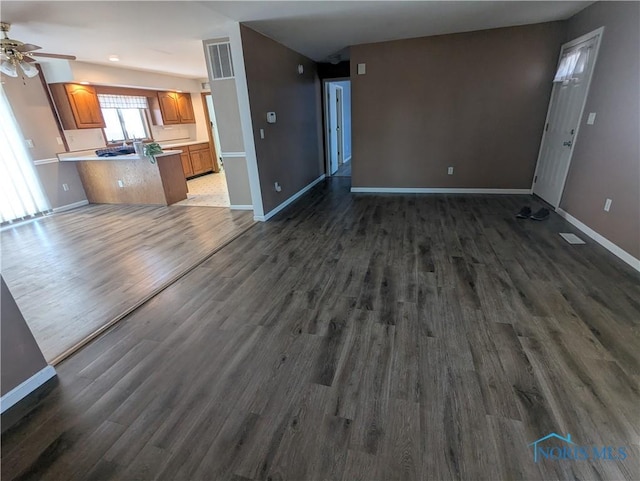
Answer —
59 140
262 133
591 119
362 68
607 205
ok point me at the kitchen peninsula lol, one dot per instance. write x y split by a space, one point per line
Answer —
131 179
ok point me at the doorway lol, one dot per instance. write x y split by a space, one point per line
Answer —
568 98
337 96
209 190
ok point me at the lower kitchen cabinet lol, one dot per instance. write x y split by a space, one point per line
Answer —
186 163
196 159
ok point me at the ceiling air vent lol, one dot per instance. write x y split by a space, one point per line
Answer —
220 60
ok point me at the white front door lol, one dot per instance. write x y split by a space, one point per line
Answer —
568 97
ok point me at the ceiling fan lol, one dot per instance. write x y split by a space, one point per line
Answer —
14 53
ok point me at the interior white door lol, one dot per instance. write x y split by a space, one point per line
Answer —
568 97
333 130
339 129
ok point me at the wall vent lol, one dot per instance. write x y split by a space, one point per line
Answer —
220 60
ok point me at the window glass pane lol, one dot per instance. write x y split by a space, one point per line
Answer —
113 130
134 123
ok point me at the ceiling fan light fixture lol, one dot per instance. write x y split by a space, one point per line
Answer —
28 69
8 68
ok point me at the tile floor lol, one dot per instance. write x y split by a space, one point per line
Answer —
208 191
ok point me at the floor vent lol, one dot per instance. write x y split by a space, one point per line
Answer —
571 238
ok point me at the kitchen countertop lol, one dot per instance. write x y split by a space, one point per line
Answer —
116 157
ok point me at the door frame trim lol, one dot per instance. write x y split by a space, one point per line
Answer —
209 121
325 121
597 33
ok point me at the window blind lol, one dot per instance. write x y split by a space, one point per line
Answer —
108 101
572 64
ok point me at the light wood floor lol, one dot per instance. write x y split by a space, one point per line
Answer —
73 272
358 337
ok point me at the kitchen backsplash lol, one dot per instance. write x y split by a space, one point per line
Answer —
173 132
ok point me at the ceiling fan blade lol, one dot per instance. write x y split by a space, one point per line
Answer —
27 47
52 55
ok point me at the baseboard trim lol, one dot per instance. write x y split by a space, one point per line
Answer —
25 388
241 207
294 197
75 205
603 241
434 190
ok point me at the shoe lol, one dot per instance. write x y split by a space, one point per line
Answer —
524 213
542 214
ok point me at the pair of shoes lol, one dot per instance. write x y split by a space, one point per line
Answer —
541 214
525 213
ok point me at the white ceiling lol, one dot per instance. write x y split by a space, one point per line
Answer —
167 36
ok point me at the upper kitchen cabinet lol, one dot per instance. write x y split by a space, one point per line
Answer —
176 108
77 106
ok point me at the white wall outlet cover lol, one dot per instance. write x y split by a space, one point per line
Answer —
607 205
59 140
120 183
591 119
450 171
29 143
65 187
362 68
271 117
262 133
300 69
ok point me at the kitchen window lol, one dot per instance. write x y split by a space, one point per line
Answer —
125 117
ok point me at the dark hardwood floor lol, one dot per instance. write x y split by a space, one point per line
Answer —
76 272
354 337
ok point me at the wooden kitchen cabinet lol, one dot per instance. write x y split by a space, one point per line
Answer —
196 159
186 163
77 106
176 108
201 160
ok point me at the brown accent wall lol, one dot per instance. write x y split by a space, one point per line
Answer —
606 158
475 101
20 356
291 152
33 113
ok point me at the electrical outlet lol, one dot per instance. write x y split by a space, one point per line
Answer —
450 171
120 184
29 143
65 187
59 140
262 133
607 205
278 187
591 119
